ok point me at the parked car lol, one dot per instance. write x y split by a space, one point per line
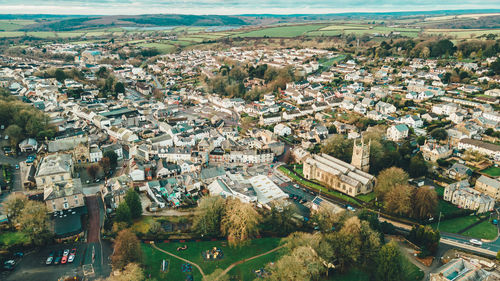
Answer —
72 255
58 257
476 242
50 258
17 166
350 208
65 256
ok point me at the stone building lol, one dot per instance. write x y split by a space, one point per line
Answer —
338 175
361 156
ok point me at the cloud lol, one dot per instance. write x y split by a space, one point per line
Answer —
104 7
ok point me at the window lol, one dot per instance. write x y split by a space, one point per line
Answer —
54 206
62 177
65 206
43 180
76 201
76 196
65 199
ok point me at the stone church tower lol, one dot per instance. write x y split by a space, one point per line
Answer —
361 155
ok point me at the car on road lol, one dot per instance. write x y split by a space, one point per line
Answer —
17 166
65 256
72 255
476 242
9 265
50 259
350 208
58 257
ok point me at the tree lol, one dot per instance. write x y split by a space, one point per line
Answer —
119 88
281 220
113 159
123 213
398 200
417 167
425 202
60 75
15 134
498 256
327 219
132 272
210 212
303 263
14 205
388 179
240 222
495 67
34 222
134 203
92 171
389 263
338 147
439 134
426 237
127 249
105 164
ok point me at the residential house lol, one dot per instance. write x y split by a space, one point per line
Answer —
459 171
461 194
397 132
488 186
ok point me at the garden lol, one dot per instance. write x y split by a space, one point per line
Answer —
471 226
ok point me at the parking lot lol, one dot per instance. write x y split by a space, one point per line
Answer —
32 266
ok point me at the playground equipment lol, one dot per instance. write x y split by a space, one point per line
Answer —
182 248
164 266
186 267
213 254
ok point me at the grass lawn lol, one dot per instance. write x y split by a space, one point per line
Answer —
153 260
12 238
411 271
282 31
492 171
317 186
194 254
245 271
367 197
455 225
446 208
484 230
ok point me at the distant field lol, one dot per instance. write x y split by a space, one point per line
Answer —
11 25
360 29
462 33
282 31
4 34
472 16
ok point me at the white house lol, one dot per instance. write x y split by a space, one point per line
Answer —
397 132
282 130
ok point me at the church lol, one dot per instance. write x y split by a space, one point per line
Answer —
351 179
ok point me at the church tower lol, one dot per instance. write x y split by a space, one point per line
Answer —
361 155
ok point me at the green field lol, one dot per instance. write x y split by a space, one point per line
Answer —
455 225
484 230
461 33
11 25
492 171
4 34
282 31
153 258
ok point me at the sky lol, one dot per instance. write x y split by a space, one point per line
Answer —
233 7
